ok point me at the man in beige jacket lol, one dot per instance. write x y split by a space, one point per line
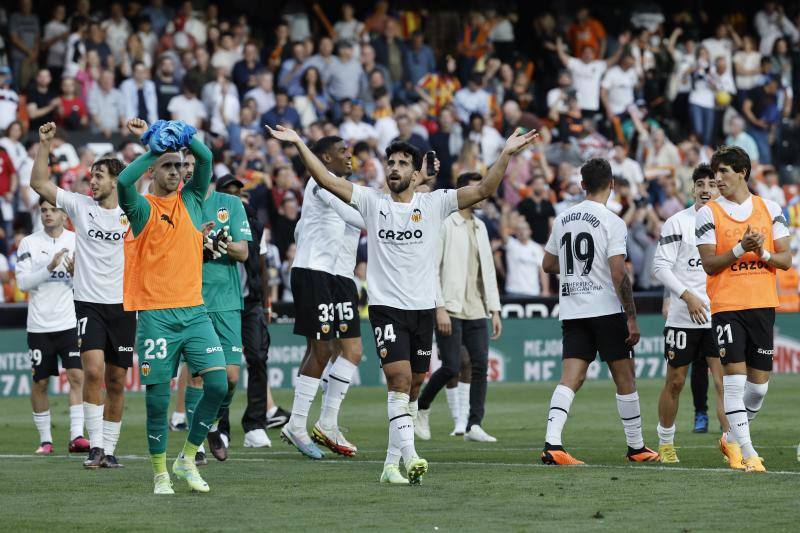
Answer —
466 295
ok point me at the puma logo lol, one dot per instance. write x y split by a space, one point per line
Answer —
382 214
156 438
550 419
168 220
205 425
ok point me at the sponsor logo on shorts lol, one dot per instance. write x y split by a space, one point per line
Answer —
236 349
762 351
223 215
424 353
325 328
671 355
343 328
145 369
125 348
416 215
384 352
214 349
722 352
74 354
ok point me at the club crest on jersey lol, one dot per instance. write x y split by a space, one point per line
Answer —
145 369
416 215
325 328
123 219
222 215
722 352
671 355
384 352
343 328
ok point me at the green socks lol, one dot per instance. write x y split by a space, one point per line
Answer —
215 387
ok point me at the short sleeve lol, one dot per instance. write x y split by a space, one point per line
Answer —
240 227
362 199
780 227
552 242
608 80
704 228
617 237
574 64
68 201
448 201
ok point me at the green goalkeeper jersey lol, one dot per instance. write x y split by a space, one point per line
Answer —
222 289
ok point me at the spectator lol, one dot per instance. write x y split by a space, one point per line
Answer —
514 117
24 36
140 95
167 87
106 107
762 111
282 113
323 59
89 73
368 67
226 55
348 28
557 96
42 100
71 112
472 99
484 135
586 31
345 74
159 15
135 52
723 43
439 88
747 65
97 41
148 38
617 87
54 40
782 62
76 45
222 103
739 137
9 99
390 51
312 103
446 142
537 211
117 29
469 160
245 72
278 49
12 144
291 69
263 93
243 137
770 189
525 277
623 166
187 107
8 188
354 129
202 72
771 24
501 36
701 97
406 128
418 59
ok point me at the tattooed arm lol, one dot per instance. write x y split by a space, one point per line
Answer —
622 284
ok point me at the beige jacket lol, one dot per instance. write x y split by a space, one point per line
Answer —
451 274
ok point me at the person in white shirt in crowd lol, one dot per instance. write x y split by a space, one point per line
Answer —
187 107
623 166
140 95
349 27
355 129
771 24
485 136
221 99
466 295
45 264
148 38
524 275
344 76
723 43
739 137
54 40
617 87
323 59
107 107
770 189
588 71
76 45
263 94
117 29
573 195
12 145
702 97
226 55
557 96
9 99
747 65
471 99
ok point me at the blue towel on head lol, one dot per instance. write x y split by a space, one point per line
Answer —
168 135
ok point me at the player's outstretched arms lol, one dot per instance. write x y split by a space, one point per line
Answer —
624 288
341 188
40 175
472 194
550 263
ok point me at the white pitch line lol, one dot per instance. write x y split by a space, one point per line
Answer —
681 469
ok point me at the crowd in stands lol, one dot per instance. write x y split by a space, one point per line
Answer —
654 96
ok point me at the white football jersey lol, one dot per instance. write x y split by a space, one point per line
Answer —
402 240
99 254
677 265
348 246
318 232
584 237
50 304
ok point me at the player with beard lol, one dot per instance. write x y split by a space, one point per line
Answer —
403 231
106 331
326 307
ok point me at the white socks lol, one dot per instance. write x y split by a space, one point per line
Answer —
304 392
754 394
75 421
463 403
93 417
110 436
666 435
338 382
401 427
629 413
735 411
323 379
452 402
177 418
560 403
413 409
42 423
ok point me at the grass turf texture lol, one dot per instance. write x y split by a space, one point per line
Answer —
470 486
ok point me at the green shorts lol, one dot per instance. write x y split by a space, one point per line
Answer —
228 325
163 335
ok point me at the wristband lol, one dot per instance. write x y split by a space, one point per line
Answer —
738 250
765 256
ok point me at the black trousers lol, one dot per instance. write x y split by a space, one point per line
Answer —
255 340
474 336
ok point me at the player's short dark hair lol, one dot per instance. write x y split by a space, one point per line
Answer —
361 146
596 174
113 165
401 147
465 178
734 157
325 144
702 171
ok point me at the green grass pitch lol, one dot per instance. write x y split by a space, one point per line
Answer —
469 487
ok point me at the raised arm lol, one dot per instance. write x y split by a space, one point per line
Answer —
562 53
472 194
201 178
339 187
40 175
135 206
623 40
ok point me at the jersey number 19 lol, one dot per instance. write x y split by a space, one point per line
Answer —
582 249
